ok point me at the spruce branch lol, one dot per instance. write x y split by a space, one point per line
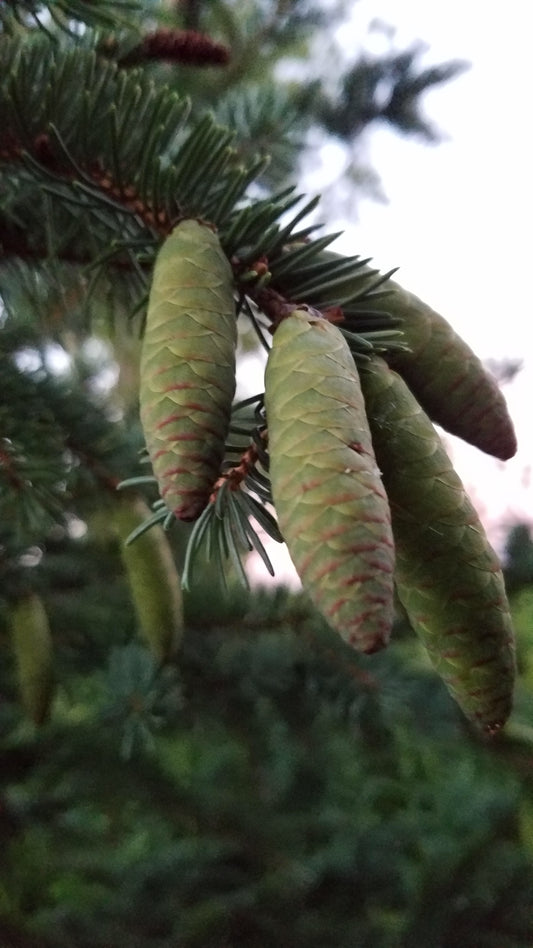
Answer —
122 146
129 164
33 466
58 444
224 532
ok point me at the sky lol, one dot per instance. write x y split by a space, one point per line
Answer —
458 216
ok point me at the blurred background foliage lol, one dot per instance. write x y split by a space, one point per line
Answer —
271 788
264 786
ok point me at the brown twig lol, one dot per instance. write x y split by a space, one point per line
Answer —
234 476
44 151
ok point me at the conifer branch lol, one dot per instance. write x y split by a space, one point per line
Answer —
128 165
57 445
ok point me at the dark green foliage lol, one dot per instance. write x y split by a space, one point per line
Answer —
32 462
289 794
58 445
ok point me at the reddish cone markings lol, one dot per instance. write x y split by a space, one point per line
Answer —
331 506
448 577
188 366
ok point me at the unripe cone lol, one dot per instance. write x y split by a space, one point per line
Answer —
153 578
188 366
447 378
330 503
32 646
448 577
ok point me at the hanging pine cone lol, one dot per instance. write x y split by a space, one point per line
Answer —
448 577
188 366
330 503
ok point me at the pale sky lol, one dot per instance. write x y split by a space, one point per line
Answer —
458 221
458 218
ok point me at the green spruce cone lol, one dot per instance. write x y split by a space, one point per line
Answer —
448 577
188 366
32 646
330 503
447 378
153 578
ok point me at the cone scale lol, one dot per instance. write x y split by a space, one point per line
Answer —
331 506
448 577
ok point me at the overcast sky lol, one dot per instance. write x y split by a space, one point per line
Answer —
459 215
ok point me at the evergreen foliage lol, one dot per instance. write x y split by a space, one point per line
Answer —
289 794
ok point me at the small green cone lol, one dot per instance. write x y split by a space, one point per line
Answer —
188 366
153 578
448 577
330 503
32 646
